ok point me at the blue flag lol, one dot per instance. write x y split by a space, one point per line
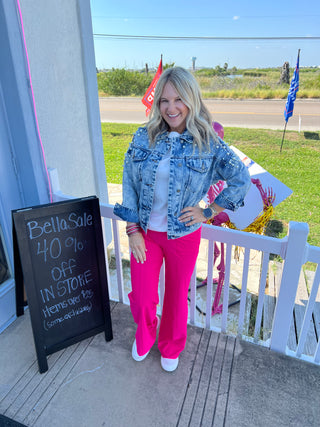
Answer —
294 87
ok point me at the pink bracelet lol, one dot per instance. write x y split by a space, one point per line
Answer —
132 229
129 227
133 232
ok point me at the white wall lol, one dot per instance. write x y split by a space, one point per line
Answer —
61 54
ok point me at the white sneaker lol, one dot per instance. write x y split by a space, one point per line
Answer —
169 365
134 352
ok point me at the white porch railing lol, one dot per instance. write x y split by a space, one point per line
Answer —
294 251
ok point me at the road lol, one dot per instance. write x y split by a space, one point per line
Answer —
264 114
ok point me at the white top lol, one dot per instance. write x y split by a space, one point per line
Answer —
158 216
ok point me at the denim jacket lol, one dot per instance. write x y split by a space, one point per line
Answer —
191 174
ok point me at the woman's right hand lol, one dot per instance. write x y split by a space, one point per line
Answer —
138 247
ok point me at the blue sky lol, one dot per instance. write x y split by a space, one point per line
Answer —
203 18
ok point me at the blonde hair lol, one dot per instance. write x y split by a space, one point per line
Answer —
198 121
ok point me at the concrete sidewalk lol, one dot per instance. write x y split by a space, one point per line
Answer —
220 381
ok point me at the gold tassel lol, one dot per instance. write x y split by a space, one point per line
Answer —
258 226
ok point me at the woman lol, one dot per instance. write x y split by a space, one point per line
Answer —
168 169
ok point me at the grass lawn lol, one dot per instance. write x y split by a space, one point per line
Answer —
298 166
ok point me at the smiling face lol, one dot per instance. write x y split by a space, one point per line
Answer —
172 109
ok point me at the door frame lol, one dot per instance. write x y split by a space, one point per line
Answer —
22 172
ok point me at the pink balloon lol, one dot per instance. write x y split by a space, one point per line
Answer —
218 128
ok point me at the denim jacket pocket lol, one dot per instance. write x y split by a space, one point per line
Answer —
139 154
199 164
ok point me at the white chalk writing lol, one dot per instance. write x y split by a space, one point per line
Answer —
57 225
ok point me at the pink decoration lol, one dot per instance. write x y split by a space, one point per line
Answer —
268 197
219 219
218 128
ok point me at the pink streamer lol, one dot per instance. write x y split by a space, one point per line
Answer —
33 100
219 219
216 306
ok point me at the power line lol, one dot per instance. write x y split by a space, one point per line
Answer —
190 38
124 17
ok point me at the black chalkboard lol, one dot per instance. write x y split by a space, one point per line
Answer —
59 259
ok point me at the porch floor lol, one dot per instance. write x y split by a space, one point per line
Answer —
220 381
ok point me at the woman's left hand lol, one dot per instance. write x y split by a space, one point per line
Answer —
192 215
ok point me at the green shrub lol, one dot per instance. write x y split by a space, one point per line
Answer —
121 82
312 83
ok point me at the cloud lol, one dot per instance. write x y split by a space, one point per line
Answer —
235 18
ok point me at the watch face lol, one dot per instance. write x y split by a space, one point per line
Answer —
207 213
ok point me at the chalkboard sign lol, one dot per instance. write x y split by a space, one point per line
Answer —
59 259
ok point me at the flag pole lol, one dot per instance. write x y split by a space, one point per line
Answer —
284 131
147 99
294 87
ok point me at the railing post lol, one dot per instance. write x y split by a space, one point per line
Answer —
294 259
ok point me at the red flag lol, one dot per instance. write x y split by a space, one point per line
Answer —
149 95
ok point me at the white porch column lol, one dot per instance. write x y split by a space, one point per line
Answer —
294 259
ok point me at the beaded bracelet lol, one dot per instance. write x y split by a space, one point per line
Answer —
132 229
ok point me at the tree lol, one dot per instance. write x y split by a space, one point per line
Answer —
168 66
285 74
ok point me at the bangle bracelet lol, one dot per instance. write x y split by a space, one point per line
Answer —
133 229
134 232
132 226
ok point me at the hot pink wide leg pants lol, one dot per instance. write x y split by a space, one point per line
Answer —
180 256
